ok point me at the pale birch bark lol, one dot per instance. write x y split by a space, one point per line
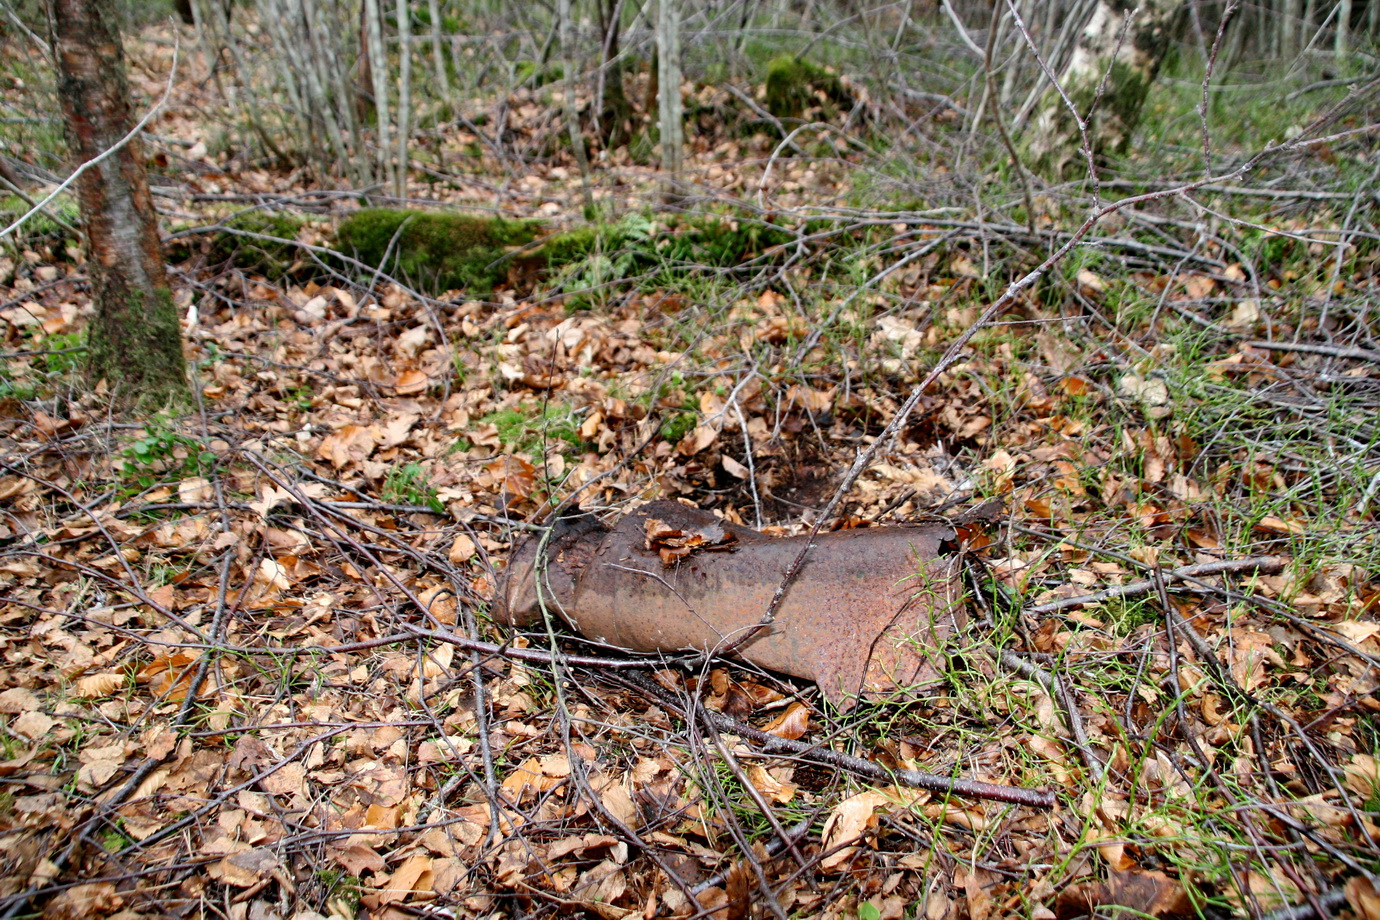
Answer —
1107 79
566 28
669 104
404 95
378 70
438 58
1341 44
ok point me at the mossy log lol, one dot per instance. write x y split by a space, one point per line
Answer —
437 252
795 86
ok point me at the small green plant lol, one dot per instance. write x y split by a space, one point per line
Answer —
341 889
163 454
301 396
64 352
13 389
114 839
677 426
522 432
408 485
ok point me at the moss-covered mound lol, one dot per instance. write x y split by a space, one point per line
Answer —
436 252
794 86
41 229
440 252
261 242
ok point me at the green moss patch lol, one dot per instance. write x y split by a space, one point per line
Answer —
794 86
436 252
41 229
442 252
260 242
244 245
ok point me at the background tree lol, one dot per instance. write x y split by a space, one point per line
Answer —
134 342
1118 54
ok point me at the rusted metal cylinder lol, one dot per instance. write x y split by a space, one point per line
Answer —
868 613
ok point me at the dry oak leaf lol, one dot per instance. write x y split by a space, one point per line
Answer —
413 877
351 444
16 700
32 725
96 899
528 780
620 804
672 544
462 549
791 724
411 341
513 475
1363 898
168 676
100 763
411 382
1152 893
246 869
770 786
847 822
1363 775
98 685
697 440
356 859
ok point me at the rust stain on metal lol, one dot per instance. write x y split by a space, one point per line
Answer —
868 614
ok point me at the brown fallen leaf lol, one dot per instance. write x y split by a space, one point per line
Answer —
412 878
1143 892
672 544
246 869
770 786
411 382
847 822
513 476
1363 897
791 724
357 859
98 685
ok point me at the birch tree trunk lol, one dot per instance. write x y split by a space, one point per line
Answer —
1341 43
404 94
378 73
438 59
569 64
1118 53
669 105
135 343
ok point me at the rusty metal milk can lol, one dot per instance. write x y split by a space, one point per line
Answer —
868 613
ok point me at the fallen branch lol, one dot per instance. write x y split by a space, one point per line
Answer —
774 744
1061 694
1268 565
1334 351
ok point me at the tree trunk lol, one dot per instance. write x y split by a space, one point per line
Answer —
669 106
615 112
1341 44
1122 45
135 343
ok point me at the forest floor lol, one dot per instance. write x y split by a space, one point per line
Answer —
249 668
